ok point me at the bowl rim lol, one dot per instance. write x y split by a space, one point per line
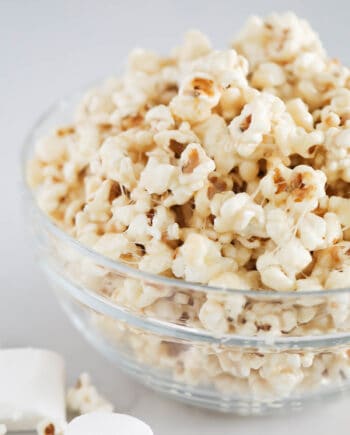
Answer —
117 266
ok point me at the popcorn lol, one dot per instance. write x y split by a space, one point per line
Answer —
312 230
279 268
194 170
268 74
280 37
341 207
143 60
279 225
51 149
217 143
253 123
240 215
226 67
190 108
336 278
228 168
132 294
47 427
300 188
199 259
160 118
113 245
157 259
84 398
116 164
216 310
282 372
212 315
300 114
156 177
201 86
289 43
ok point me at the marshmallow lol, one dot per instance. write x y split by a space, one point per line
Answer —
3 429
32 388
105 423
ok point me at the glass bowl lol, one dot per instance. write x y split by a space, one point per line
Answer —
148 324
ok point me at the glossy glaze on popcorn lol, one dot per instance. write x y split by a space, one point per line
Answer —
227 168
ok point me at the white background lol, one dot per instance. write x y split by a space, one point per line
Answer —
48 49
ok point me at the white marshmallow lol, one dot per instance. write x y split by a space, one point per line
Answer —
32 388
105 423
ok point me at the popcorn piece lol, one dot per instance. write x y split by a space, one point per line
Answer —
226 67
160 118
268 74
278 269
195 168
216 140
84 398
308 186
47 427
157 177
104 423
190 108
113 245
282 372
300 114
341 207
201 86
288 43
143 60
255 121
280 37
301 188
217 309
116 164
213 317
136 295
279 225
158 258
312 230
241 215
199 259
32 388
337 278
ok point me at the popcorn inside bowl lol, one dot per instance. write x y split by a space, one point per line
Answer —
223 159
226 168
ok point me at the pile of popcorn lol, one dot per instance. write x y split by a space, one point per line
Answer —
229 168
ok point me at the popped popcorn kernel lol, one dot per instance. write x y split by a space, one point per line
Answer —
84 398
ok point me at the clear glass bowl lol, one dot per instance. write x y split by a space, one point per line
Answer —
165 346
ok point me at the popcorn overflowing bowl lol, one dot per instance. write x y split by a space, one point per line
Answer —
193 220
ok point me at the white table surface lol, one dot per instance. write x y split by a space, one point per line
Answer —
49 48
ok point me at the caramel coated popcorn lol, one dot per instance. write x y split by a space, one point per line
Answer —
188 157
223 167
